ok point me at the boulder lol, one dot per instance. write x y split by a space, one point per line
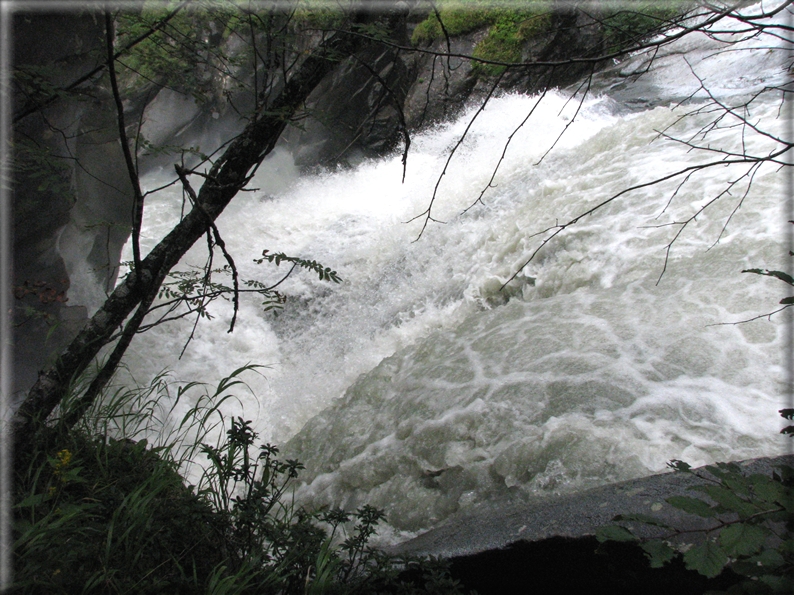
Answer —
550 546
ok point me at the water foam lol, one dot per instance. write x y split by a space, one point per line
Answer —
425 389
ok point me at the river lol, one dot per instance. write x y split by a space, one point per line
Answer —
418 386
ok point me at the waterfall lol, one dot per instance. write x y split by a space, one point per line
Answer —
418 386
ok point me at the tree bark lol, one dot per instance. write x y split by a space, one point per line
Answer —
225 179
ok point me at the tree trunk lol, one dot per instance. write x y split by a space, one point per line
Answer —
225 179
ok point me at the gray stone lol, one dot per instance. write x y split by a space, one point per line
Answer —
572 516
352 115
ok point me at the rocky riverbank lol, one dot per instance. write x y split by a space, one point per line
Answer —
551 546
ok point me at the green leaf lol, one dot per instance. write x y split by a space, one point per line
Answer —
742 539
746 567
787 413
768 490
32 500
707 558
658 552
779 584
730 501
614 533
726 471
691 505
768 558
787 546
679 465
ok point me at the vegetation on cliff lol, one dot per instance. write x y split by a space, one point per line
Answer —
508 28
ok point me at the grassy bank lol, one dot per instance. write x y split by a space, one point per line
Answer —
100 509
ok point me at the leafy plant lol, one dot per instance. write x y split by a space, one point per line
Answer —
786 302
119 502
196 288
45 166
749 526
458 18
509 27
117 499
181 55
126 519
293 550
325 273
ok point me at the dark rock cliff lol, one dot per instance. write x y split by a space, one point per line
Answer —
72 197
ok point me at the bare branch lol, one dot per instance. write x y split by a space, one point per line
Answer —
137 202
560 227
182 173
109 368
585 84
666 38
427 213
398 106
507 144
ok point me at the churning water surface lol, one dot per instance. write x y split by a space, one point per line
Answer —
419 386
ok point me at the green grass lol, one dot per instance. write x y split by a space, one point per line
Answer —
458 18
507 35
104 508
508 27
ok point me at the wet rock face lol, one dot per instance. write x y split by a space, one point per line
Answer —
441 87
361 110
72 197
354 113
572 34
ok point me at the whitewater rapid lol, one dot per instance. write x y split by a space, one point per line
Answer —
418 386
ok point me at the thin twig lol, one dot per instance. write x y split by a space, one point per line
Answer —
557 228
507 143
427 213
182 173
586 84
137 201
398 105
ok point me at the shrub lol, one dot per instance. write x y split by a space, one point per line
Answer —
750 527
95 515
98 512
506 37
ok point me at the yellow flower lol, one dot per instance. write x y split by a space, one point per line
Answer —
64 457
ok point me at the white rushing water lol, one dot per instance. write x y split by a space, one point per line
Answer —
417 386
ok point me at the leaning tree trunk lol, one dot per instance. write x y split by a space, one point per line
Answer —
224 180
